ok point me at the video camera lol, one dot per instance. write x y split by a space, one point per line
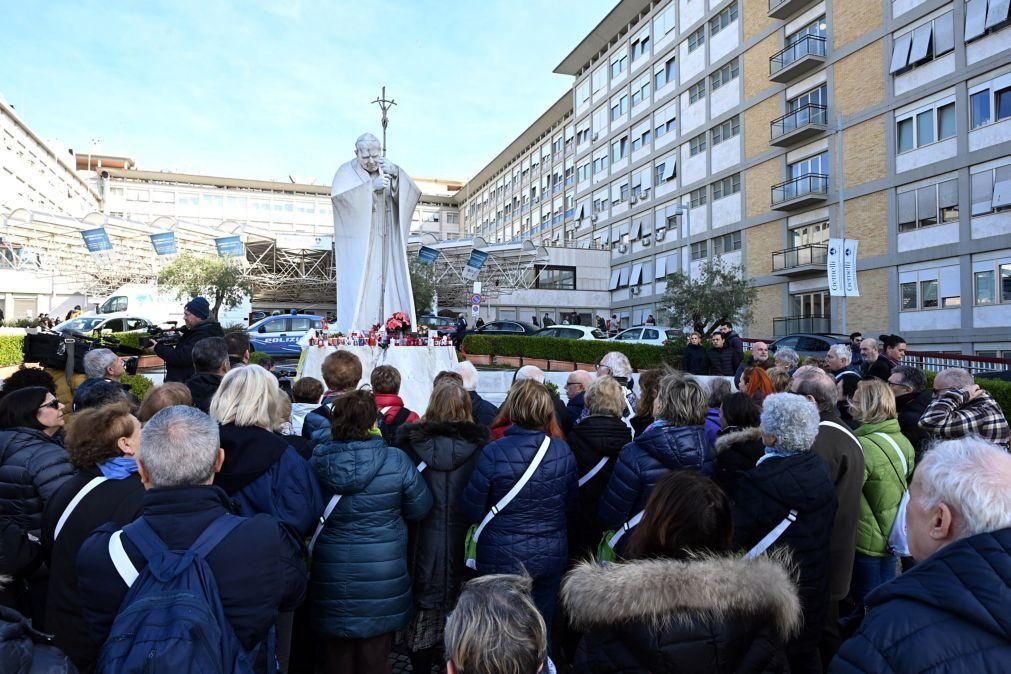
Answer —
169 336
50 349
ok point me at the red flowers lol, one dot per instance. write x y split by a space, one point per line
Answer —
398 322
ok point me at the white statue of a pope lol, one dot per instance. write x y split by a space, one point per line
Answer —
373 202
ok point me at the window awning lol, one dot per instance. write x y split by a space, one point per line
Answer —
615 277
900 52
661 267
636 274
669 167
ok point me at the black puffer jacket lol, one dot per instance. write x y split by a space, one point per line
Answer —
737 451
435 547
179 357
594 438
765 495
911 408
694 360
24 650
723 361
32 468
203 386
715 614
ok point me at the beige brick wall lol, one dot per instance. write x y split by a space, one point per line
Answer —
860 79
756 126
756 17
869 312
763 241
768 305
756 66
867 221
864 156
853 18
758 181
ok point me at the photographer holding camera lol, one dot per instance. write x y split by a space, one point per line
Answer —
178 357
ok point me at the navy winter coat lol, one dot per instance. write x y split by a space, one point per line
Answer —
256 568
530 533
32 468
265 474
317 421
645 460
949 613
359 586
484 411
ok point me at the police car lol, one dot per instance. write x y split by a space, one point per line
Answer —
279 335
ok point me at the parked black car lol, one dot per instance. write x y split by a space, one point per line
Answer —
808 343
518 328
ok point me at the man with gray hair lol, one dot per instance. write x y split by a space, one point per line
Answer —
839 360
909 384
875 364
960 408
484 411
99 365
844 458
950 612
257 570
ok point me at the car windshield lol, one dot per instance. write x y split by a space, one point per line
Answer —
80 324
597 334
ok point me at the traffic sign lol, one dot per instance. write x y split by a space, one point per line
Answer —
475 309
475 298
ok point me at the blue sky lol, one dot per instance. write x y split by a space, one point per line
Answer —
265 88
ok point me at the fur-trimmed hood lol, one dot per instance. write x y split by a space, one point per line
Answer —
726 440
664 592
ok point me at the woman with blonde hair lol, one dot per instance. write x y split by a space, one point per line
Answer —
262 472
675 441
444 444
595 441
528 533
888 468
780 378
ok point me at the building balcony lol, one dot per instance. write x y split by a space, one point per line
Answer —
800 260
787 325
780 9
799 125
801 57
810 188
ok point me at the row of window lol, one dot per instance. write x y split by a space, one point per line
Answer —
990 286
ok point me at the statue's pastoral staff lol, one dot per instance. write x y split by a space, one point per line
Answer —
373 202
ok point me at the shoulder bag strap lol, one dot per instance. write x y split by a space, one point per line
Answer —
322 520
772 536
593 471
627 526
839 427
901 455
124 567
74 502
511 494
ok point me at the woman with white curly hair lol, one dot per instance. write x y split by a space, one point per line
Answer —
791 483
616 364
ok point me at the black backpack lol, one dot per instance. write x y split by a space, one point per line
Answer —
389 429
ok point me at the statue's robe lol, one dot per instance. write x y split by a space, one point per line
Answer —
370 247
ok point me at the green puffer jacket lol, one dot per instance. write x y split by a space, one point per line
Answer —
884 483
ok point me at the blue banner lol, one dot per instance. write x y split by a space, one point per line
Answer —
427 255
230 246
97 240
164 243
477 259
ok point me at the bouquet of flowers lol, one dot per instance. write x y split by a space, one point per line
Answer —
398 322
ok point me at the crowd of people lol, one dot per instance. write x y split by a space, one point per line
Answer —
756 521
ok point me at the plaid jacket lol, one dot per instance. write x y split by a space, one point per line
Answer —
953 415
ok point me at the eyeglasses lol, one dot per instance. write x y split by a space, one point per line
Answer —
603 367
54 404
895 383
572 383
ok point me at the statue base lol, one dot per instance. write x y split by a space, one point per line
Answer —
418 366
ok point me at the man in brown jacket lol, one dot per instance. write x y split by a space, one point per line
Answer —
844 458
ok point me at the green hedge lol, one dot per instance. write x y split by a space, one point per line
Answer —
256 357
11 349
139 384
641 356
128 338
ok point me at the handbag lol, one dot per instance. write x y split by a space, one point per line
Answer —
898 541
609 541
470 543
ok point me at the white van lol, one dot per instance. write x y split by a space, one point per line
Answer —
147 301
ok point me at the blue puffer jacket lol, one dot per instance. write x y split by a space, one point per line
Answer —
645 460
949 613
359 586
32 468
317 420
530 533
265 474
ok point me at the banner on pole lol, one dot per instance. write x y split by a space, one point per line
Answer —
850 268
427 255
474 264
835 268
97 240
164 243
230 246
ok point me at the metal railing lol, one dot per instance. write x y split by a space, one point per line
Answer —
808 45
809 184
810 254
808 114
786 325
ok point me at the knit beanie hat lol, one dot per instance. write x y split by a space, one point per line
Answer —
199 307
